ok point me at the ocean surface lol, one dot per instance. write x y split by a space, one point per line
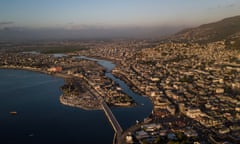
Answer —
42 119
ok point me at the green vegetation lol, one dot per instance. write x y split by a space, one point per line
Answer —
73 87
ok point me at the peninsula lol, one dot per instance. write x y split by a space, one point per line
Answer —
192 79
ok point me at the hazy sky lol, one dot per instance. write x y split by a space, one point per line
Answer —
112 14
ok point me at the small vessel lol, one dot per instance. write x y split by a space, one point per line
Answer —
137 121
31 135
13 112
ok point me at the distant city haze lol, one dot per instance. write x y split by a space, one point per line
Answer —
88 19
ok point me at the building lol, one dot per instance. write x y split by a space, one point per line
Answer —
55 69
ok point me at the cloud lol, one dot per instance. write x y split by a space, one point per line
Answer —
72 26
6 25
95 33
231 5
75 26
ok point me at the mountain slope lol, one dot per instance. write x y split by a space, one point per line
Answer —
226 29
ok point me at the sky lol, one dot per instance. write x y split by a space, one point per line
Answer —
109 17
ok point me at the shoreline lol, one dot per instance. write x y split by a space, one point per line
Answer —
58 75
38 70
62 101
67 102
64 77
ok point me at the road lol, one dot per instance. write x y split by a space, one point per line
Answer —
116 126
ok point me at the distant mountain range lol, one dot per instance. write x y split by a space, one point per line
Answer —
227 29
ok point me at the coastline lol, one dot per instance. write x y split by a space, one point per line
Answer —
59 75
69 100
36 70
63 100
24 68
35 98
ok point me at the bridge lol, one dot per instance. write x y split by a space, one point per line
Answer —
108 112
112 119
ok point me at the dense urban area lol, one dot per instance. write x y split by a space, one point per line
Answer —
194 87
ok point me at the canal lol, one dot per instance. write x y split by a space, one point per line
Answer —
126 116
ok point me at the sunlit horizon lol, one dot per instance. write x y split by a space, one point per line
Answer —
106 18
